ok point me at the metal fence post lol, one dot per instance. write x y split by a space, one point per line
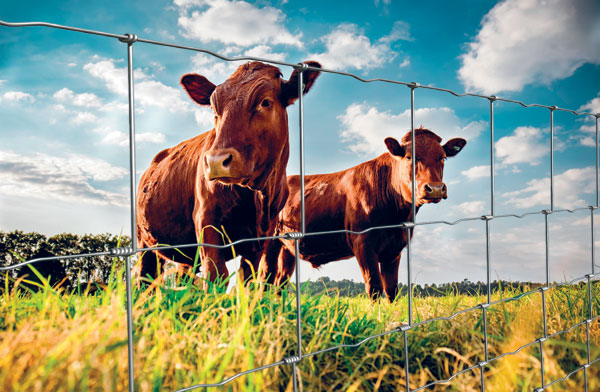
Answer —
131 38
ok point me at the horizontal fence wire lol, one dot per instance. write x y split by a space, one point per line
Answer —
128 252
404 225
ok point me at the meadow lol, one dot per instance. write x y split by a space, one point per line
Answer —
54 339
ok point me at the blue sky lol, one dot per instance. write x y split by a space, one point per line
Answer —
63 111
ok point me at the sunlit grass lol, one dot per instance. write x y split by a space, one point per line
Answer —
51 340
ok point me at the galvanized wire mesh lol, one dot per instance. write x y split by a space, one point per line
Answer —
130 252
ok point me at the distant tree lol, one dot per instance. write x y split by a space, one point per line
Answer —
16 246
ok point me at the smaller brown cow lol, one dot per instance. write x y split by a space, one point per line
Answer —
374 193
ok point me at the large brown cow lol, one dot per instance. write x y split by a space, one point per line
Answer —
374 193
231 177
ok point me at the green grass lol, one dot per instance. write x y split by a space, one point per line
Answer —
51 340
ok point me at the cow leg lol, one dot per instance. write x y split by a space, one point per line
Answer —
286 263
268 263
151 265
370 269
213 259
389 275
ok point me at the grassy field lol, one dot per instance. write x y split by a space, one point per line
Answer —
51 340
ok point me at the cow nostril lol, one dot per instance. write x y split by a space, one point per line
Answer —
444 189
428 188
227 161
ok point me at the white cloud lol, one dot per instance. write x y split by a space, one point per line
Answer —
84 117
117 138
204 117
265 52
365 127
470 208
217 70
589 122
115 78
17 96
526 145
87 100
593 106
405 63
568 189
234 22
477 172
531 41
61 178
147 92
588 141
212 68
348 47
400 31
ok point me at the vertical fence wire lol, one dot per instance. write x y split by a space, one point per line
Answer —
597 165
406 359
547 245
132 191
492 174
552 109
541 346
295 369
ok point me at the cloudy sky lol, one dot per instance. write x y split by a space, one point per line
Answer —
63 111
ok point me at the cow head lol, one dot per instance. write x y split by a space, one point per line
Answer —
251 124
429 169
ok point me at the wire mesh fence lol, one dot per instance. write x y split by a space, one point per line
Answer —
129 253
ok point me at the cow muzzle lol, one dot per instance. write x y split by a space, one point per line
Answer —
222 164
435 192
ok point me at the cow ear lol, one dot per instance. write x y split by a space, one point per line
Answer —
454 146
198 88
394 147
289 89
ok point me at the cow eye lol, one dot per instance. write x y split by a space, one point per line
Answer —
266 103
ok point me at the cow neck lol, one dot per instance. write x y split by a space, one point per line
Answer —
391 181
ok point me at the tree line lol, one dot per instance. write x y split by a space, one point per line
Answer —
17 246
349 288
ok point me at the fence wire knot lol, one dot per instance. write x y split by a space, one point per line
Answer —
544 288
482 364
540 389
293 235
484 306
125 251
487 217
301 67
541 340
291 360
546 212
492 98
129 38
408 225
413 85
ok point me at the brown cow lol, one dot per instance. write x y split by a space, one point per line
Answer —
231 177
374 193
